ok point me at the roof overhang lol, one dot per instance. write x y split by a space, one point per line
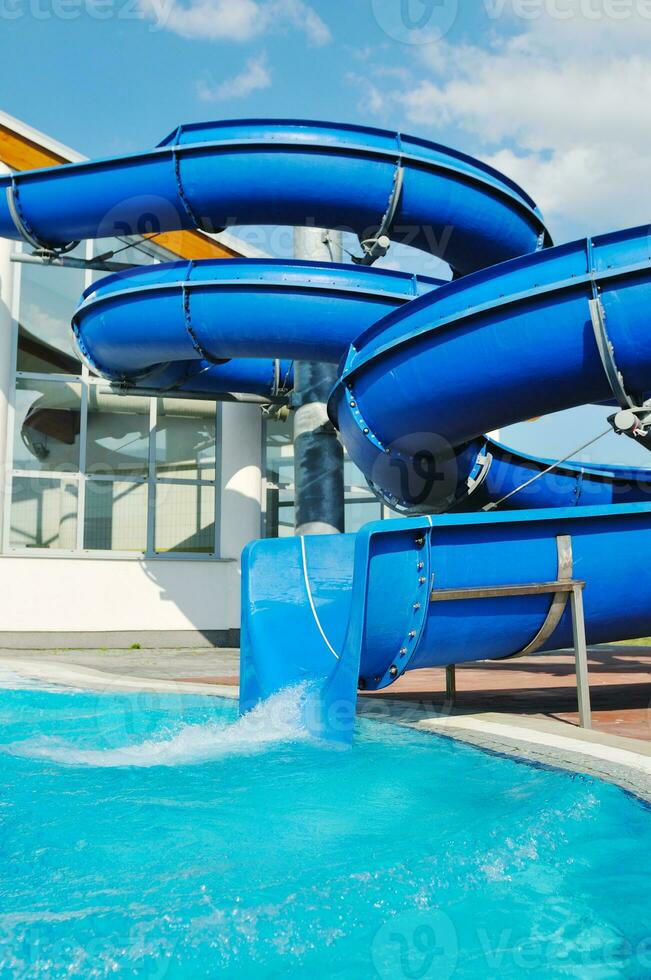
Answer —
25 148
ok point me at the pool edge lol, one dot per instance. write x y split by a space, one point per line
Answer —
615 759
91 679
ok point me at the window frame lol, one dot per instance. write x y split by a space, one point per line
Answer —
87 381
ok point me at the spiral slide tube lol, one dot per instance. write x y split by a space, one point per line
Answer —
257 315
214 175
206 312
424 371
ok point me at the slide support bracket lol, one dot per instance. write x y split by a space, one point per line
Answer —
563 588
42 250
377 247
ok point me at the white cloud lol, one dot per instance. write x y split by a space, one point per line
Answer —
300 15
560 106
254 77
234 20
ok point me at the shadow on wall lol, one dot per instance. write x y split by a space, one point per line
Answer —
205 593
209 591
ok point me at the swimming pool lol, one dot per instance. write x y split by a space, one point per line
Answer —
157 836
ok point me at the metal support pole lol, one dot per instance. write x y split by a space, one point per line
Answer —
581 657
451 684
318 455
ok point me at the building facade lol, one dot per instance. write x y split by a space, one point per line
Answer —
124 517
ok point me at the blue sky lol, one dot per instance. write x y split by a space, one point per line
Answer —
123 81
557 93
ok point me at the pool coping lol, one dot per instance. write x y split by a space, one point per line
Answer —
612 758
92 679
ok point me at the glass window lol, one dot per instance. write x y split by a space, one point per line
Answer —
185 439
361 505
115 516
281 516
185 518
118 434
47 425
281 519
48 297
131 474
43 513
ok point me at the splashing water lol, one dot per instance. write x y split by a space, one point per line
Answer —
281 718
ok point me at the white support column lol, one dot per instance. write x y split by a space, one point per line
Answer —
6 357
241 477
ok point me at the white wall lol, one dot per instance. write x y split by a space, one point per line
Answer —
107 594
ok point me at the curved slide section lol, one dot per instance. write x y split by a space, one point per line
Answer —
235 311
569 484
485 474
507 344
238 379
211 311
284 172
362 612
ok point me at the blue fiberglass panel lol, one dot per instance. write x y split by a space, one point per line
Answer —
221 309
450 206
524 328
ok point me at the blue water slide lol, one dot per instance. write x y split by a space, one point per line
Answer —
542 483
525 329
283 172
266 380
208 311
251 311
507 344
360 610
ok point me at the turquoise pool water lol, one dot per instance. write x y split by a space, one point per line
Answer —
157 836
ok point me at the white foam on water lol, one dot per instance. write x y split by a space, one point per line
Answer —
281 718
12 681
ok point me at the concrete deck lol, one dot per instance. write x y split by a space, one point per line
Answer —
188 664
544 686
